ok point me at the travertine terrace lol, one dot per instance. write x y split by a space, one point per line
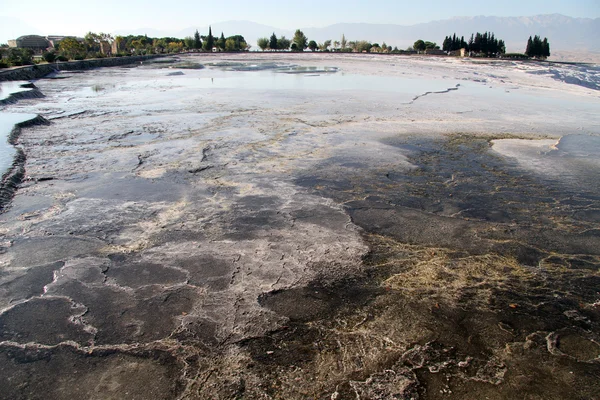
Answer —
306 226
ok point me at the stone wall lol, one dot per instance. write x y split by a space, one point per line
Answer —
38 71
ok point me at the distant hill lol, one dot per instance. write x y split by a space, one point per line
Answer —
579 35
564 33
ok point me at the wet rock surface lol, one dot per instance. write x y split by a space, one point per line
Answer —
176 237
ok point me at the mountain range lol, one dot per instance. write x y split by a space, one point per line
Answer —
563 33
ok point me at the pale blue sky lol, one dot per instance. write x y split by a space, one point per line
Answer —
75 17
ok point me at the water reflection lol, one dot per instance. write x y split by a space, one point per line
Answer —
8 88
7 123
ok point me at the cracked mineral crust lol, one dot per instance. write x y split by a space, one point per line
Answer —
372 227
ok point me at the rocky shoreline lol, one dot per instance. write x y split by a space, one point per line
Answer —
30 72
12 178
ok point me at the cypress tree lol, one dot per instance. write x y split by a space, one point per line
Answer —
501 47
273 42
484 44
477 43
210 40
529 48
197 41
545 48
493 44
221 42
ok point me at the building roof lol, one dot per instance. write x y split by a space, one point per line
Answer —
32 42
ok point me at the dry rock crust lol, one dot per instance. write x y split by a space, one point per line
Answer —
178 238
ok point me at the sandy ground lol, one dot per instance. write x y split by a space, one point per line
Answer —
401 228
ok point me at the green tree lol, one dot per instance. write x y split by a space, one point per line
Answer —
419 45
188 42
501 47
197 40
529 47
447 44
324 46
283 43
209 43
106 41
92 42
174 47
545 48
362 46
230 45
159 45
300 40
119 43
237 43
72 48
49 56
16 56
312 45
240 43
263 43
537 47
273 42
343 42
138 46
221 42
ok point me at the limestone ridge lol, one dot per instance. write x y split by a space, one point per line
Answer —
12 178
40 71
34 93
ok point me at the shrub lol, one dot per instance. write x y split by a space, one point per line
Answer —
3 64
49 56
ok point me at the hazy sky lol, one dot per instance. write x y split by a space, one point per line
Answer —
75 17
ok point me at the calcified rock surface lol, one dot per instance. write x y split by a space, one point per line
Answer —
388 228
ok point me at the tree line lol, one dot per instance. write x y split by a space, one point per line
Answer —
483 44
300 43
537 48
99 45
210 43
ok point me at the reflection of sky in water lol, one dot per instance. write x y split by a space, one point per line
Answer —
484 91
320 79
7 123
574 160
7 88
316 80
270 80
